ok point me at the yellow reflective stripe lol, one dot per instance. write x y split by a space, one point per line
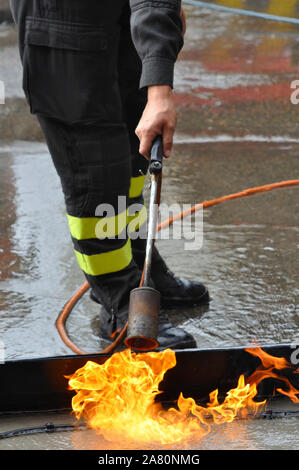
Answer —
97 227
135 221
231 3
105 263
137 183
282 8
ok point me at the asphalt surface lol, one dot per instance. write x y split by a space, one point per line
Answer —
237 128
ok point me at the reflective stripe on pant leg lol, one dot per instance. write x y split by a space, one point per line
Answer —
84 228
94 239
137 185
105 263
89 229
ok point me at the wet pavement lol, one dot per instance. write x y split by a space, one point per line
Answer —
254 434
237 129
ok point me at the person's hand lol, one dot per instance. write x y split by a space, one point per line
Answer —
159 118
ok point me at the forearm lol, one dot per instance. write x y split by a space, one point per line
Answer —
157 35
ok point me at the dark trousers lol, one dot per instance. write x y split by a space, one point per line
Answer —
81 79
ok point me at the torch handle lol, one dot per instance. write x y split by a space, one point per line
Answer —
156 156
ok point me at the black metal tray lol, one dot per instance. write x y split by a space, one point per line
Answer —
40 384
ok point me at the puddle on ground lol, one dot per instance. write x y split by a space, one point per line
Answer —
237 129
247 257
253 434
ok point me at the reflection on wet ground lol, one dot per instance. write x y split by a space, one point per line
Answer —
255 434
234 72
237 129
247 258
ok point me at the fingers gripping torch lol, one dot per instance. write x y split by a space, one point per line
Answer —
144 306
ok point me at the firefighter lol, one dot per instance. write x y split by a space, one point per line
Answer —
94 72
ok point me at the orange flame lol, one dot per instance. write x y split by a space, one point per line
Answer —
265 370
117 398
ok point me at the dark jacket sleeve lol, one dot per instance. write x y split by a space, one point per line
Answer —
156 28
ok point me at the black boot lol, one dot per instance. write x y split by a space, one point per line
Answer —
113 291
175 292
169 336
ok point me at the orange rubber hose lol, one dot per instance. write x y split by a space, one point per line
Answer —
61 320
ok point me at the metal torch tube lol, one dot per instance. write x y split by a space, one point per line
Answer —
152 227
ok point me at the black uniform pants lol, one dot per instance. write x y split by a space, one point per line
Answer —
81 79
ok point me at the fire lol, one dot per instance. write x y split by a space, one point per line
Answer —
265 370
117 399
